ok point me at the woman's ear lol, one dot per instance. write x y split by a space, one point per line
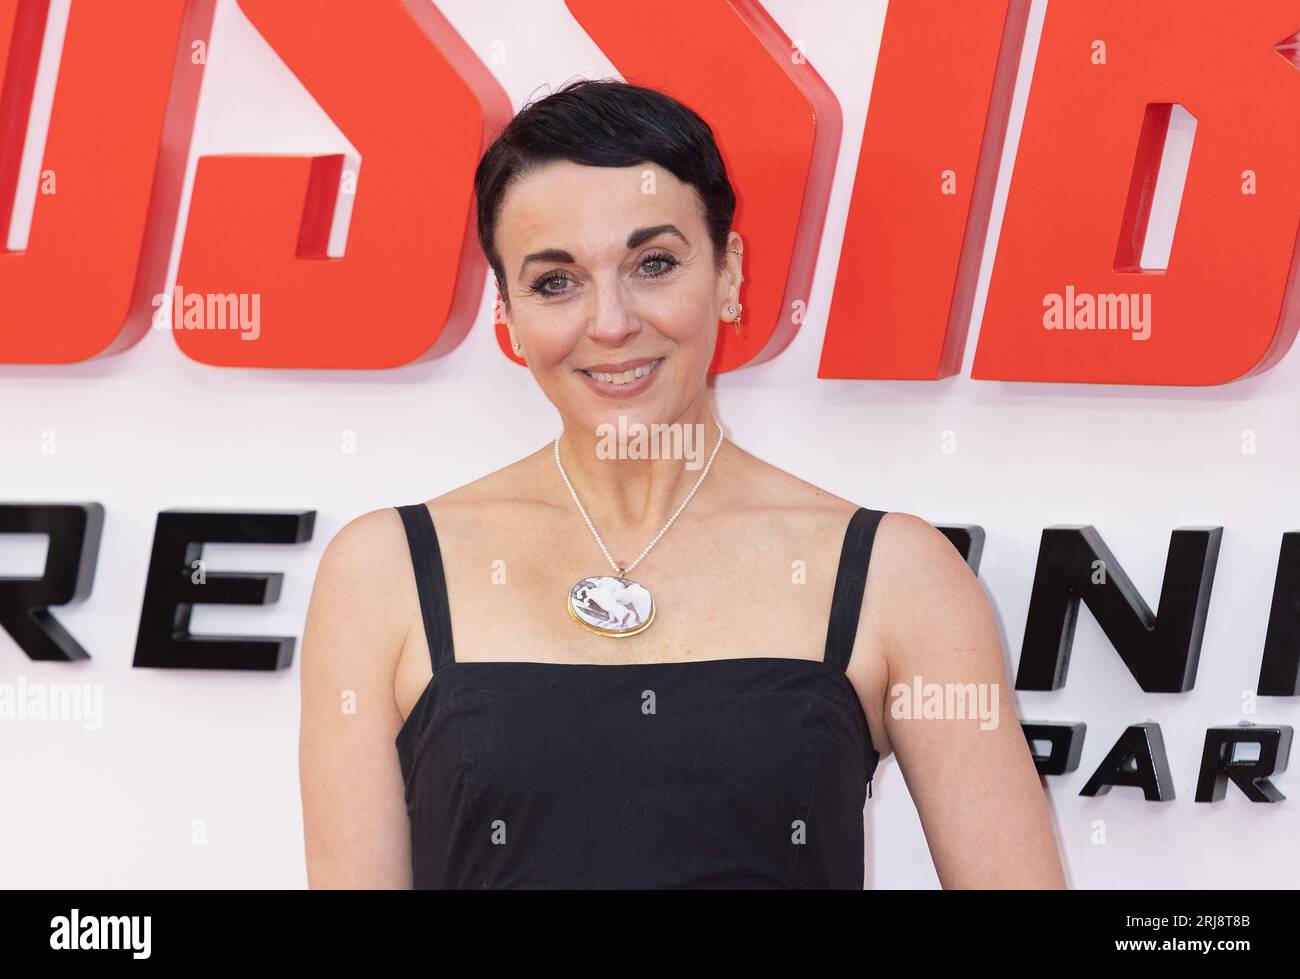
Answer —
735 263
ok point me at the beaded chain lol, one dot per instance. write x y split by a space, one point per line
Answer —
581 509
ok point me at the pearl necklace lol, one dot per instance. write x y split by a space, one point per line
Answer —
617 606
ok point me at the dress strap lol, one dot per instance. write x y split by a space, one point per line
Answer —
430 582
850 584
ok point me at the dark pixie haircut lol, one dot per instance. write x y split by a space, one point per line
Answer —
604 123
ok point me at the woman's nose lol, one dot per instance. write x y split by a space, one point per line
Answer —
612 318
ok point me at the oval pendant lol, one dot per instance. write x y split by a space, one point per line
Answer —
611 606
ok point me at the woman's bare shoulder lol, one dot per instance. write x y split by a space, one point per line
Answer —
935 600
493 500
371 551
898 530
374 547
802 508
366 563
364 601
920 557
919 560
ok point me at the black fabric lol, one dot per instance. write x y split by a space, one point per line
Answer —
850 586
744 772
429 581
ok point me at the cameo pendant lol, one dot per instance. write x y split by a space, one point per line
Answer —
611 605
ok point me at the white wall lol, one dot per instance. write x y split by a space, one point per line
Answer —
215 753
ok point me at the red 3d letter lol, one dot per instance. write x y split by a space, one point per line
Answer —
1068 296
924 188
406 90
107 194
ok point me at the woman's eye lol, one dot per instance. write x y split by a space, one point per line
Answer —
660 265
543 285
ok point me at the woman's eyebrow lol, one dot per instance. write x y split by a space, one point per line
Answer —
637 237
641 235
546 255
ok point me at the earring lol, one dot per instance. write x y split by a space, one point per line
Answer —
735 309
737 251
516 346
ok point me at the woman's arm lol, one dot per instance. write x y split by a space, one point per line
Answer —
981 802
355 824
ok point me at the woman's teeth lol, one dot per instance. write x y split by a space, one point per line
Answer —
626 376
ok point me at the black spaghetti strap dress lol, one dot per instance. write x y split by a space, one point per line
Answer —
728 773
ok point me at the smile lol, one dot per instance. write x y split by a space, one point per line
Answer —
626 377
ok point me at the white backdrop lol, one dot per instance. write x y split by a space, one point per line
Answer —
192 779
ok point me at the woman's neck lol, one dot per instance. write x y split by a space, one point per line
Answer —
631 478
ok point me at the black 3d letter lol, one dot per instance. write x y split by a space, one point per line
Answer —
74 530
968 539
1279 672
1138 759
1161 651
1064 745
1219 762
171 593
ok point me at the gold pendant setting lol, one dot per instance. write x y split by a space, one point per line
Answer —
611 605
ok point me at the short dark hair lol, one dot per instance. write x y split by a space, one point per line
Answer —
604 122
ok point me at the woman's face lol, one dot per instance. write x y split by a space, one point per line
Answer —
609 270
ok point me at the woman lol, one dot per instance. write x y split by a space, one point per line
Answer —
708 707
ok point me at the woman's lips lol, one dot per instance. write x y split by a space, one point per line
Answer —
625 389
